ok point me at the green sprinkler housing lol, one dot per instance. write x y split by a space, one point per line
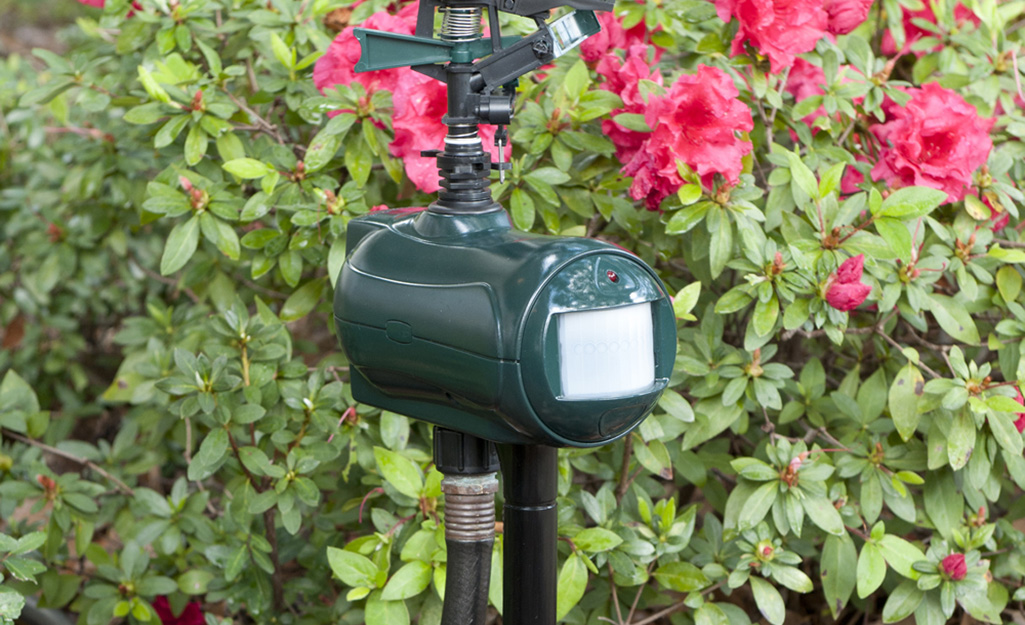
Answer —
463 322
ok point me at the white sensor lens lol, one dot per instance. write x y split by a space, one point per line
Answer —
606 353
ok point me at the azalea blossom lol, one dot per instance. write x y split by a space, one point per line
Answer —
846 15
623 78
938 140
191 615
954 567
1019 423
845 291
613 36
419 101
779 29
696 123
913 32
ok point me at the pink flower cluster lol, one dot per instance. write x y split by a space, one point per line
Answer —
937 140
419 101
913 32
782 29
697 122
844 288
614 36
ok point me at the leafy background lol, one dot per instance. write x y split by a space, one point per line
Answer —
176 416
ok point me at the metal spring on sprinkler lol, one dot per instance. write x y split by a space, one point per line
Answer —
460 24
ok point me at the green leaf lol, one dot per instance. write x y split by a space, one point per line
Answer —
181 245
195 581
382 612
246 168
597 539
943 503
400 472
685 301
765 315
803 176
676 406
838 576
522 208
152 87
911 202
768 600
352 568
961 439
871 569
758 505
323 148
303 300
954 319
900 555
684 220
632 121
211 452
681 577
170 131
195 144
792 577
720 229
905 392
409 581
571 586
548 175
896 235
902 602
282 52
1004 431
822 512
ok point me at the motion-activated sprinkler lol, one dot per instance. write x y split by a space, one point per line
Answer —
496 336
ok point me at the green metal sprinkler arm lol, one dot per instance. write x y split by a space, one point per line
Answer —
513 57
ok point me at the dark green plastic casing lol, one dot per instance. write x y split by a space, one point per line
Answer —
452 319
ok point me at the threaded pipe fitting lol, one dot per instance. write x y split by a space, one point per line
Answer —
470 507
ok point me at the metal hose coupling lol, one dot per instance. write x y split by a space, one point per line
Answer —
470 507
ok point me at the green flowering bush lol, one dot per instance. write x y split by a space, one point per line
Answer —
830 189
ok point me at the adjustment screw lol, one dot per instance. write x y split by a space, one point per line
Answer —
541 48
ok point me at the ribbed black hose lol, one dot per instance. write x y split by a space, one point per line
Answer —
469 535
467 576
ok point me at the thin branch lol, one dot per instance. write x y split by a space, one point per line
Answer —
676 607
121 486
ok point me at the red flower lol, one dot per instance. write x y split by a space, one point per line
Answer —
94 3
419 101
954 566
1020 421
336 66
614 37
913 32
938 140
844 290
846 15
191 615
779 29
696 123
623 79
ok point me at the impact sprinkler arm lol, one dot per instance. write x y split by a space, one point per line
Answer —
481 75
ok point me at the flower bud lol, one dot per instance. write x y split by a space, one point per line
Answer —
954 567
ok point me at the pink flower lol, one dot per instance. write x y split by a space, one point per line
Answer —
954 566
336 66
191 615
844 289
614 37
419 101
1020 421
623 79
779 29
938 140
846 15
697 123
913 32
94 3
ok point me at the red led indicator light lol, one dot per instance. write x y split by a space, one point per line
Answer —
612 275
